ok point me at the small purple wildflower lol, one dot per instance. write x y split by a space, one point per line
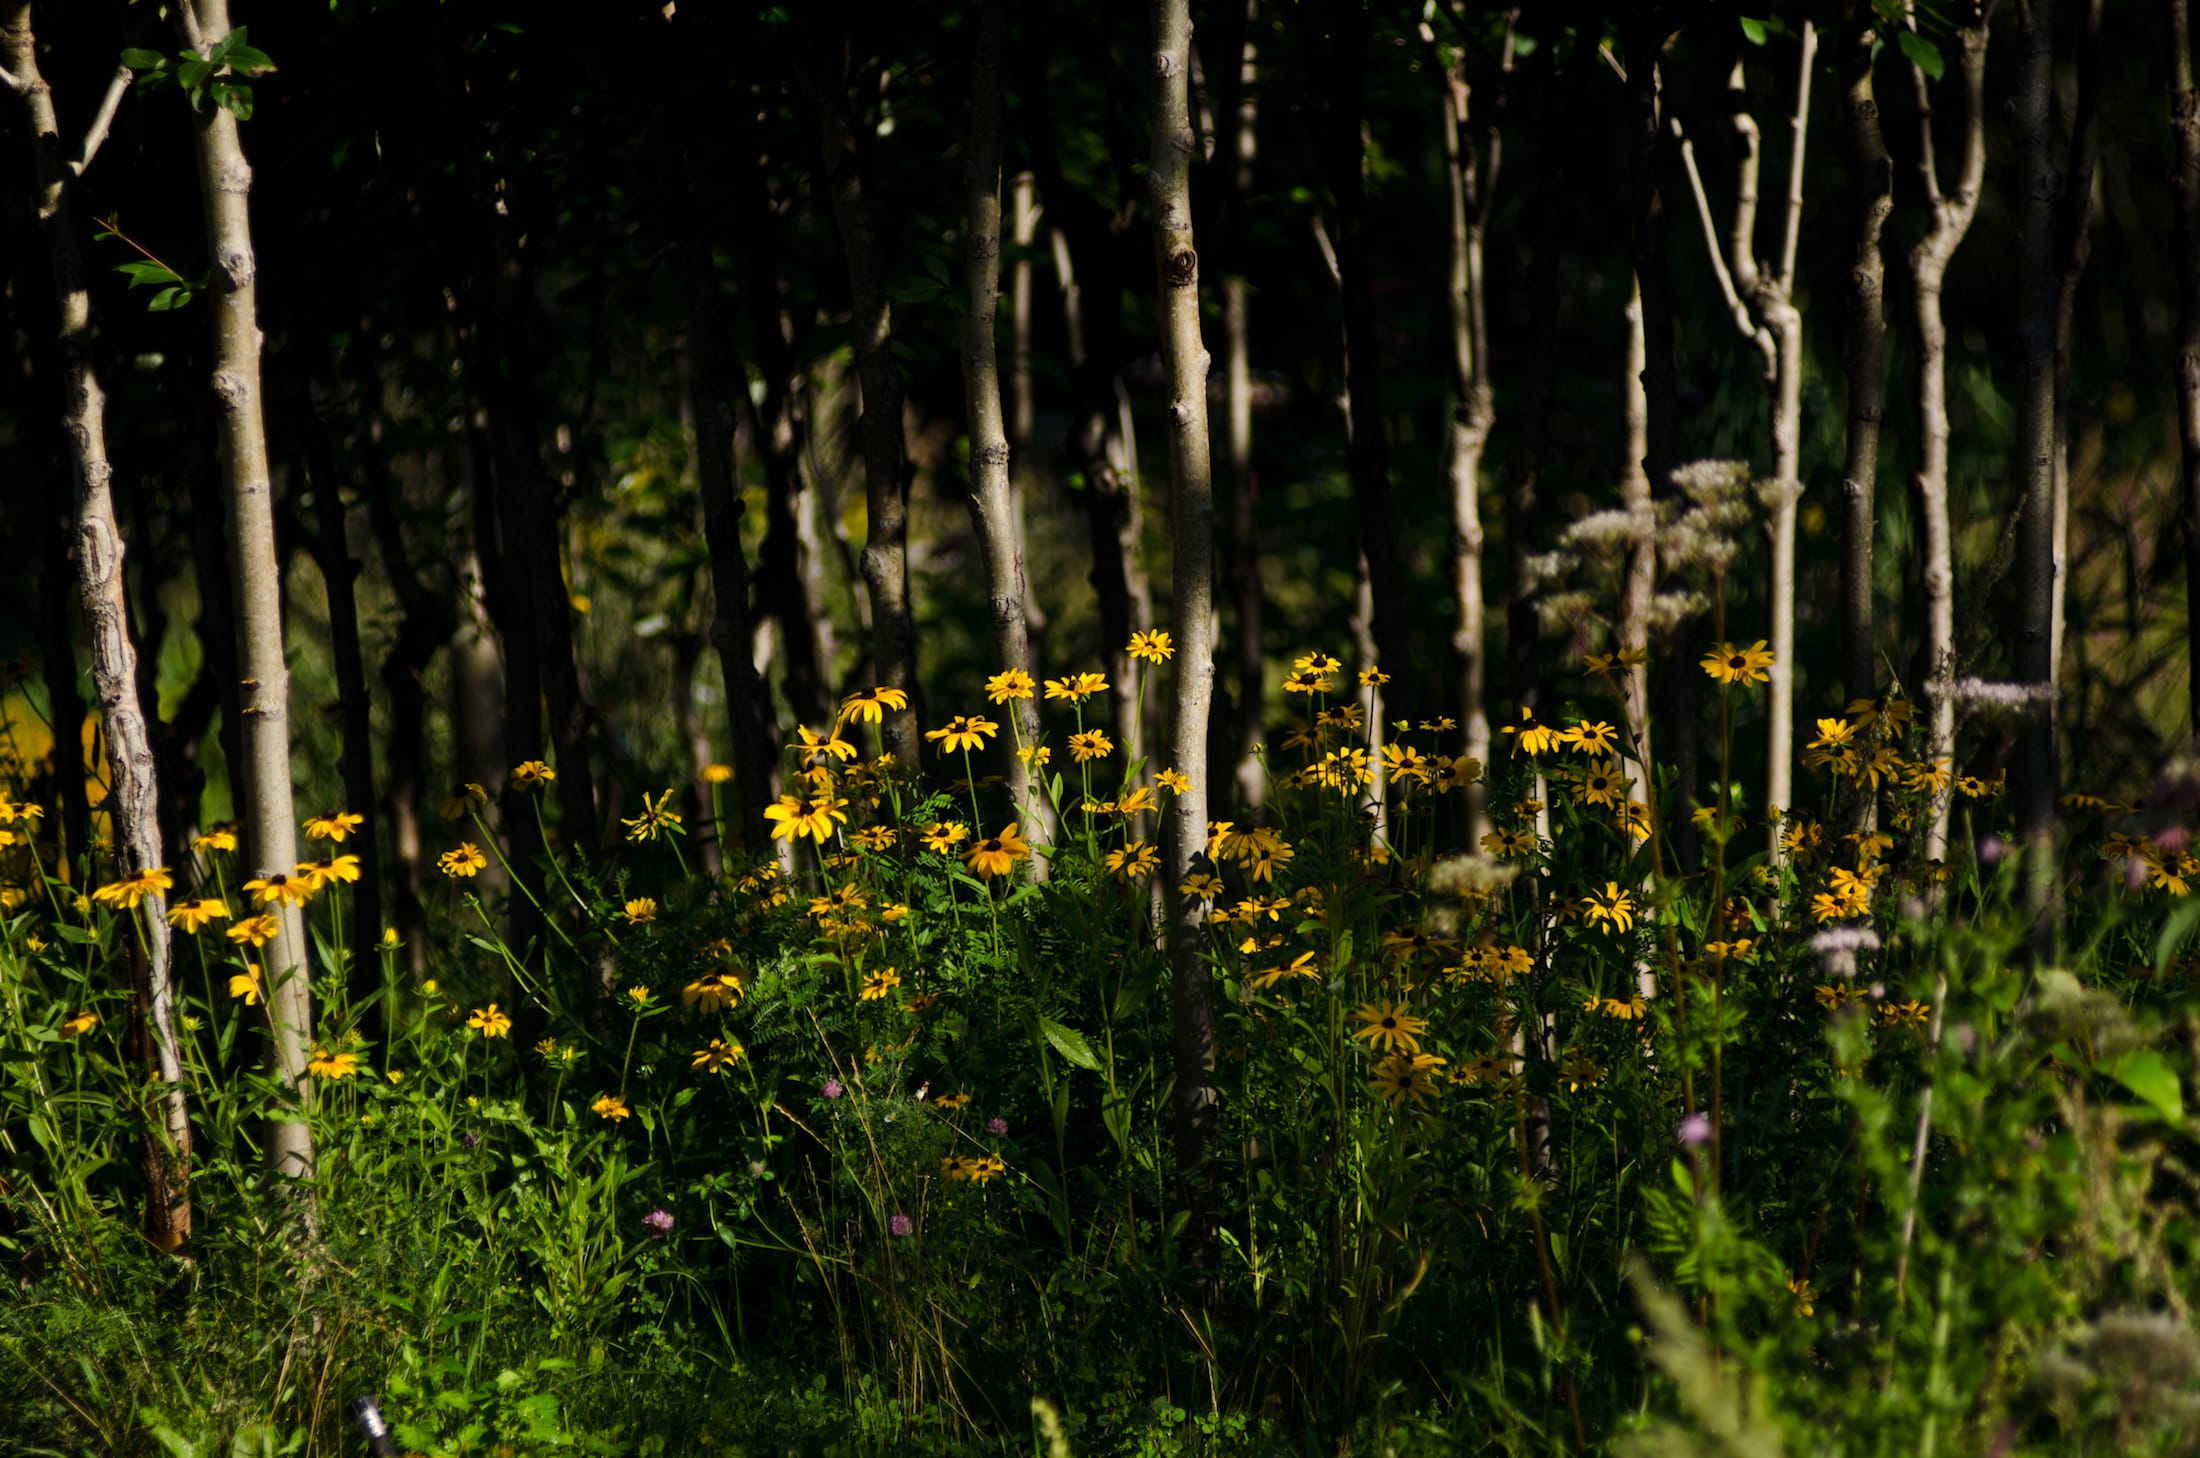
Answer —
996 1125
657 1224
1695 1131
832 1088
902 1225
1991 850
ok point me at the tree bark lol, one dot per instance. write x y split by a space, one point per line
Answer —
270 819
57 584
886 549
1951 214
1471 176
1237 149
2074 247
2031 627
732 634
1369 449
993 506
1191 501
133 799
1866 361
2184 114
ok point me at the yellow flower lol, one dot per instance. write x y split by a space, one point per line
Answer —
951 1102
713 991
638 994
999 854
1013 683
220 838
1838 995
1138 802
246 984
718 1057
335 826
1800 1293
1614 911
1316 662
1506 844
1602 785
612 1107
191 915
1745 666
795 818
79 1023
462 801
1092 744
1134 860
1173 782
1077 687
1153 647
1306 681
1038 756
880 985
870 706
640 909
336 868
1401 1077
257 930
717 774
1389 1027
811 746
1374 678
656 817
277 889
963 732
490 1023
1604 665
1531 734
1900 1014
126 893
899 911
944 835
1597 738
532 775
325 1064
464 862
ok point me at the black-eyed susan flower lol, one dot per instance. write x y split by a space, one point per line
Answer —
1388 1027
611 1107
879 985
717 774
963 732
657 818
278 889
1009 684
335 826
997 855
714 991
640 909
220 838
462 862
1372 677
462 801
339 1066
1602 785
329 870
490 1022
1612 911
1507 844
1077 687
1729 664
1089 745
125 894
532 775
78 1023
815 748
1401 1077
1134 861
943 836
1531 734
1172 781
247 985
1153 647
192 915
1306 681
719 1056
872 705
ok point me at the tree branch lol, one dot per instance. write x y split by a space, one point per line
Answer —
1801 125
1743 322
118 86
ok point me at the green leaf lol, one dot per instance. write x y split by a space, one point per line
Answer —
142 60
2174 931
149 273
2148 1074
1921 52
1070 1044
1753 30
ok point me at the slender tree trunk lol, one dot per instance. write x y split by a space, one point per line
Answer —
1641 583
732 634
993 511
270 819
355 764
426 624
1472 179
2073 246
2032 628
57 584
886 551
133 799
1866 355
1951 213
1191 501
2184 114
1241 564
1369 444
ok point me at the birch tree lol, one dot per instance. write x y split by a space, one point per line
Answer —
133 800
993 507
1950 212
2073 248
270 819
1760 297
1191 513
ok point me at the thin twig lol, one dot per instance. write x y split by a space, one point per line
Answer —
1801 126
1747 326
13 82
117 87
